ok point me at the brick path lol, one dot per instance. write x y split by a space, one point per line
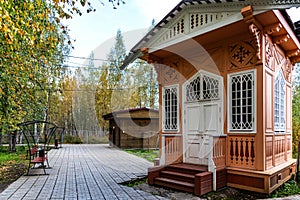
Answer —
83 172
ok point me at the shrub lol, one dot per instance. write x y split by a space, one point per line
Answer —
287 189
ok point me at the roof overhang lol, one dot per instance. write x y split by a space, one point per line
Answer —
259 7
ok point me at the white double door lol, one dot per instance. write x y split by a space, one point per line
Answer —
202 120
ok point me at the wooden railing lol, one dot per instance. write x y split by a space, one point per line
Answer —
241 151
219 151
172 146
278 149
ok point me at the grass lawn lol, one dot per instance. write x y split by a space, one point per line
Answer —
12 165
144 153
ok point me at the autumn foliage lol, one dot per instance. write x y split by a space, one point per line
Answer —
33 45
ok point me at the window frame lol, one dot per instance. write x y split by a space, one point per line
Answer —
175 87
202 98
230 76
278 127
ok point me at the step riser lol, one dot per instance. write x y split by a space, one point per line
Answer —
179 178
174 186
183 170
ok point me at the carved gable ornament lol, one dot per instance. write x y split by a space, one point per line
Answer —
190 22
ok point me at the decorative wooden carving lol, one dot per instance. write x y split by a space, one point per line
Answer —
254 29
169 75
242 54
149 57
292 53
272 28
269 55
247 13
242 152
257 35
288 73
281 38
295 59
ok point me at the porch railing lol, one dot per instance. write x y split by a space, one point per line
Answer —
172 151
241 151
219 151
172 148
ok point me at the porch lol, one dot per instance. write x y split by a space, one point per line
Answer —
232 162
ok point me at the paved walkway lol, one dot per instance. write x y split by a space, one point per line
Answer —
83 172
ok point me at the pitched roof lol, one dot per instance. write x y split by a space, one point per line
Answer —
224 5
128 111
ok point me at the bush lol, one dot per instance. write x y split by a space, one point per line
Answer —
287 189
70 139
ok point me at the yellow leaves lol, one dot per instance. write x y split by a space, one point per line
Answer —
8 38
30 7
21 32
5 29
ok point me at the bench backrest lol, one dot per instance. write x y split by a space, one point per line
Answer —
37 133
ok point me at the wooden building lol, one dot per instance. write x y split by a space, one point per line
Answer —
225 75
133 128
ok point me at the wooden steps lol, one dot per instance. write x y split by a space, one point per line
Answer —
184 177
179 176
175 184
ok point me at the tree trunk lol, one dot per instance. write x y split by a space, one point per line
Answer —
12 142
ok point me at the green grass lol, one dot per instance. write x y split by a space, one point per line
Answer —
12 165
143 153
7 157
135 182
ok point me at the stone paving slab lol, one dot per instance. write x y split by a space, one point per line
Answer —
83 172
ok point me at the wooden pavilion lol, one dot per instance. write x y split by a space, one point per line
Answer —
133 128
225 77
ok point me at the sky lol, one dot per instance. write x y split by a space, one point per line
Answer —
95 31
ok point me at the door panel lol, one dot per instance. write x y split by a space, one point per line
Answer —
211 118
201 120
193 113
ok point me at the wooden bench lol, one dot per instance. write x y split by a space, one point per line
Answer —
38 135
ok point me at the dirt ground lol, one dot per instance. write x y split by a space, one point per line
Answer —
10 173
223 194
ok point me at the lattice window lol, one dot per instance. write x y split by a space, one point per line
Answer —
279 103
210 88
193 90
202 87
241 99
170 108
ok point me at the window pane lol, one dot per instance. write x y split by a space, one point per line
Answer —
242 101
170 108
279 103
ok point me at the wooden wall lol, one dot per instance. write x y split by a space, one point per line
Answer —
278 147
134 133
265 148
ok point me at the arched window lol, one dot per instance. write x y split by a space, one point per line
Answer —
279 103
203 87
